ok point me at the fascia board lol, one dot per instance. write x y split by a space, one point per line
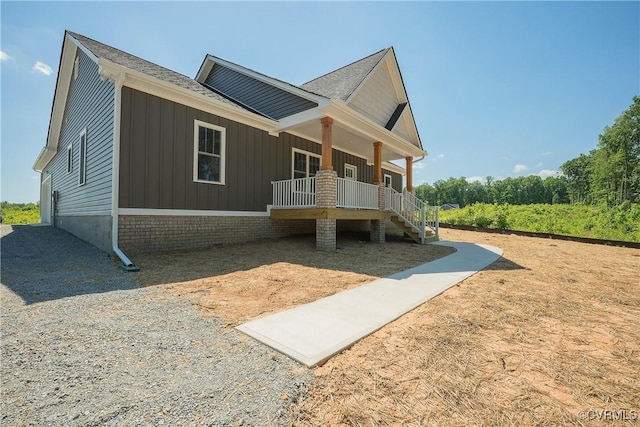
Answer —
343 113
301 118
269 80
63 82
393 168
140 81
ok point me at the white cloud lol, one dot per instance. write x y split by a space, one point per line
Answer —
545 153
519 168
539 165
4 56
544 173
419 165
43 68
440 156
475 179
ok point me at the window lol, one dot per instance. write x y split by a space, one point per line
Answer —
69 158
305 164
76 66
208 153
387 180
350 172
82 173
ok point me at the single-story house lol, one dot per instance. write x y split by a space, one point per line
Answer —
141 158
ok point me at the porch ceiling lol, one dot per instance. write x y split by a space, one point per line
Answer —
346 139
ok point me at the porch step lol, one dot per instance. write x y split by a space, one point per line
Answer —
409 231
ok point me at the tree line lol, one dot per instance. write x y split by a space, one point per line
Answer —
609 174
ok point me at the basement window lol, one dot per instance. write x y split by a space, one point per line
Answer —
208 153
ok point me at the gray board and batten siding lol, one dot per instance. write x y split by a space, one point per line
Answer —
89 106
263 98
156 159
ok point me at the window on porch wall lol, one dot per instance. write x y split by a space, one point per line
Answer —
305 165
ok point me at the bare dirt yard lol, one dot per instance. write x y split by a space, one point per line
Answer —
547 335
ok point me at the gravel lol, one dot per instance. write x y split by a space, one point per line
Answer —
82 345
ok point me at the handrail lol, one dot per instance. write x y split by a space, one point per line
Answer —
413 210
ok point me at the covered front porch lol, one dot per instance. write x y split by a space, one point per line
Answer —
325 197
297 199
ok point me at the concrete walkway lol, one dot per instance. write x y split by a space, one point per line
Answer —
314 332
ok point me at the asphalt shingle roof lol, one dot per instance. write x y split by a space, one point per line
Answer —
132 62
341 83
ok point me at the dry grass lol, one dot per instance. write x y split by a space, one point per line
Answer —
549 330
240 282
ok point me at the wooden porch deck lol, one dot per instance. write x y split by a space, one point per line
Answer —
329 213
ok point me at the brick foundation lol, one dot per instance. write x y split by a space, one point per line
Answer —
326 198
138 234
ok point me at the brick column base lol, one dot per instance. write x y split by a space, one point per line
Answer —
326 234
326 198
377 231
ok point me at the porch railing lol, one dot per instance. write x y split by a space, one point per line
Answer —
294 193
356 195
413 210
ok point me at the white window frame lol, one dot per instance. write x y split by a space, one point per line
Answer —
69 158
308 154
223 143
76 67
354 168
82 156
384 179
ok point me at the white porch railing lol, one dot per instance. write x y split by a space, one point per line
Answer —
294 193
413 210
356 195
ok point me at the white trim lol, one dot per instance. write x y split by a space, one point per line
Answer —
394 168
70 158
384 180
42 198
308 154
169 91
223 139
352 167
82 48
83 148
187 212
94 213
76 66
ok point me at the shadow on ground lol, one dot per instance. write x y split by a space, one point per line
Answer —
42 263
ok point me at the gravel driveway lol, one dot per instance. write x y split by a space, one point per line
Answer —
81 345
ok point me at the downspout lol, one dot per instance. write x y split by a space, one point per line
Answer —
127 265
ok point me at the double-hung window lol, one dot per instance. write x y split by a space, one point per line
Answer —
305 165
208 153
82 158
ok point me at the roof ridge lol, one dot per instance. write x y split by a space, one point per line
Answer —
76 35
350 64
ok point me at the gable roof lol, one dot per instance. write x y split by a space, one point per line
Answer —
341 83
103 51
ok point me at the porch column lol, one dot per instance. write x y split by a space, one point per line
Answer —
377 162
326 190
409 174
377 225
327 143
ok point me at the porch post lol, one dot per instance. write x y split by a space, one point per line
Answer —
326 190
378 225
377 162
327 142
409 174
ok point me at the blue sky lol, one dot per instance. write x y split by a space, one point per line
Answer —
497 88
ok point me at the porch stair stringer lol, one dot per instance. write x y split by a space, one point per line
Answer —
409 230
